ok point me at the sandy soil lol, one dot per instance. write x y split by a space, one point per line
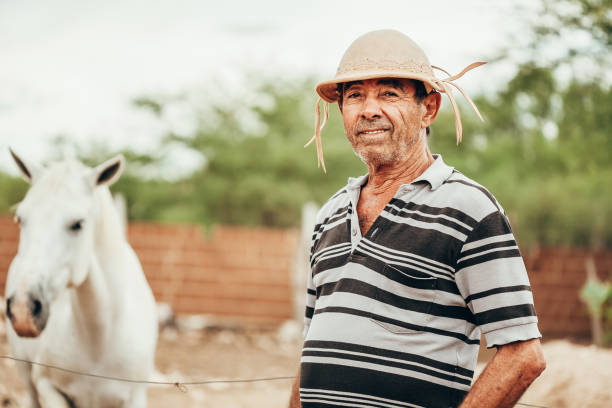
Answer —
577 375
227 354
236 353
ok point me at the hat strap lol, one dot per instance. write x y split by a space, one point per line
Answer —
443 84
318 128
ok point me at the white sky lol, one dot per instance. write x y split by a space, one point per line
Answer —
73 67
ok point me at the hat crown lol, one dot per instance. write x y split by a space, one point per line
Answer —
388 50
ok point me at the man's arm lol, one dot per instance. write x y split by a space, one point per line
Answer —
513 368
294 400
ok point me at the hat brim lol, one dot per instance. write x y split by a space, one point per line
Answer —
327 89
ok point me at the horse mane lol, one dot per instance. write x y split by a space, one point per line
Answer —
108 223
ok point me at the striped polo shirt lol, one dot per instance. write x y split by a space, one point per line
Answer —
394 317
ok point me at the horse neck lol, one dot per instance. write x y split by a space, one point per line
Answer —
93 300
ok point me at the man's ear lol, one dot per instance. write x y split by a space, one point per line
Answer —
28 171
432 106
108 172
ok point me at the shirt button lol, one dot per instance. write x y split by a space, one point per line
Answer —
354 232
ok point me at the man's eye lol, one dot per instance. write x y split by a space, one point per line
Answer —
390 93
353 95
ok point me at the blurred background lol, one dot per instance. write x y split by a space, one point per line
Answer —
212 102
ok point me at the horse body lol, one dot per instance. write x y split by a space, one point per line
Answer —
100 312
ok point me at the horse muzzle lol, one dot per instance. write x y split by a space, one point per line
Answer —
28 314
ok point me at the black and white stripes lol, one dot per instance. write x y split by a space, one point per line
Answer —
394 317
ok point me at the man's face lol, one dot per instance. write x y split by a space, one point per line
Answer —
382 119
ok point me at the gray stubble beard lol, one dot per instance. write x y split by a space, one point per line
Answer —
385 159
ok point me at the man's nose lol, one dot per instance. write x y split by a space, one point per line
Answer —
371 108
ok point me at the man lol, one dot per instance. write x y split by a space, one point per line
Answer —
413 261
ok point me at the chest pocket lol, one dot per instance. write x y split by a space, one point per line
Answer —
404 300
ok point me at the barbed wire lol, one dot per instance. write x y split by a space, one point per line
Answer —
180 385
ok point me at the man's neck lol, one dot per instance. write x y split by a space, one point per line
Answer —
384 179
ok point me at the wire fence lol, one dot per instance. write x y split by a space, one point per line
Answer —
180 385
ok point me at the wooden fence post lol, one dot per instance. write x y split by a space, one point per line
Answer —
301 263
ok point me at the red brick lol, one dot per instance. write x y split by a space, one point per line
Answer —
245 292
233 307
222 272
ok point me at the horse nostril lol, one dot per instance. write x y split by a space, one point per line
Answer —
9 314
37 308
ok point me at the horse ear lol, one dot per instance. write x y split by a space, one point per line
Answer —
28 171
109 171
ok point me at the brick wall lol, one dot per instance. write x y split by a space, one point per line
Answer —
9 235
245 273
556 276
234 272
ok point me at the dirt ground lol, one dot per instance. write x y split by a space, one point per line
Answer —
195 355
576 376
227 354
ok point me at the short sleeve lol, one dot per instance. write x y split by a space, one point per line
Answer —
491 276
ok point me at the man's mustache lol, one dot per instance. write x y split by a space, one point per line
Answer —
365 124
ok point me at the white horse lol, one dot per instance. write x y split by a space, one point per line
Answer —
76 296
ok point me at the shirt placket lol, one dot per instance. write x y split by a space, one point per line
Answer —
354 231
406 192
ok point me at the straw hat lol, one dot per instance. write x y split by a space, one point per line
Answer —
386 54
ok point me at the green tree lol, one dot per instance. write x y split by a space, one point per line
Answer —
258 172
543 149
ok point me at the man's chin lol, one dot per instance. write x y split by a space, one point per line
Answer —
374 157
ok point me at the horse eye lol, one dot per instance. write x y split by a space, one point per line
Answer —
76 226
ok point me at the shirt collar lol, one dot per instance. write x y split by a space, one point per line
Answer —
436 174
356 182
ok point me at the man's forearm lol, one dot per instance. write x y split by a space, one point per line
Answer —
294 400
505 379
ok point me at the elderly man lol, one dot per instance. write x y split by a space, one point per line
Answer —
412 262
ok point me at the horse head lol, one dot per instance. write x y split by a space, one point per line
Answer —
57 220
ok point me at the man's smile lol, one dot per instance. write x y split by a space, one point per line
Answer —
372 131
373 134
